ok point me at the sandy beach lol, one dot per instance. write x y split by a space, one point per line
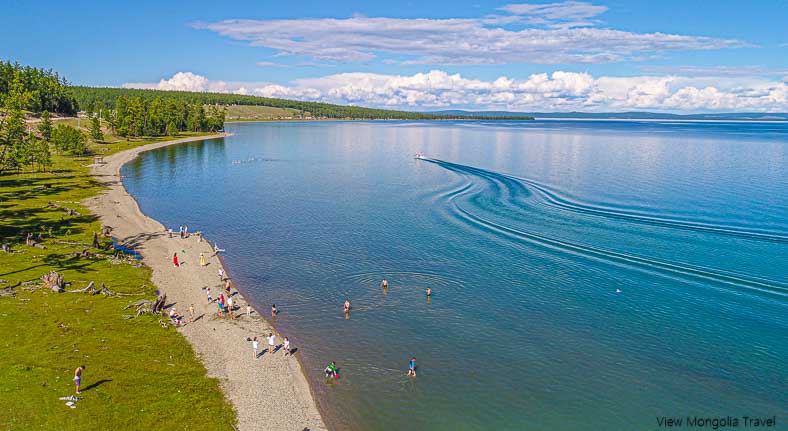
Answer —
270 393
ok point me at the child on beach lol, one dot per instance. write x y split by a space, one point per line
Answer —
220 308
202 260
248 310
175 260
221 274
412 367
271 342
255 347
191 313
287 347
208 291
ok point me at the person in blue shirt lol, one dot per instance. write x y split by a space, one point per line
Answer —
412 367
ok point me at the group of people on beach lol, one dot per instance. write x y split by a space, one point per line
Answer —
271 346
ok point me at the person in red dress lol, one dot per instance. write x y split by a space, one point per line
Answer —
175 260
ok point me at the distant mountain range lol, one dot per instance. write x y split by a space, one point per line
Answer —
634 115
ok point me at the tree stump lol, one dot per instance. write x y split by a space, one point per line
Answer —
54 281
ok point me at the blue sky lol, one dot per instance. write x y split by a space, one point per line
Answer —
682 56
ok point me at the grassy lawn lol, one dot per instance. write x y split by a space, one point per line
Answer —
139 375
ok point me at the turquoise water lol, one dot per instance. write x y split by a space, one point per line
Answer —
524 231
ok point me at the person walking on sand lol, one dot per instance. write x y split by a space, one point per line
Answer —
185 231
230 303
78 377
271 342
221 274
175 260
227 286
180 231
286 347
255 347
208 292
191 313
248 310
202 259
412 367
221 299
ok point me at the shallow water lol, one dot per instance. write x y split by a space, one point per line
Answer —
525 231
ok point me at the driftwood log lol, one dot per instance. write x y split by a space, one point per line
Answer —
148 306
31 242
54 281
69 211
91 289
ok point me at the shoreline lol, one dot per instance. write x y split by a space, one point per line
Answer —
271 393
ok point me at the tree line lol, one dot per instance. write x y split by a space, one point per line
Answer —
95 96
47 90
134 116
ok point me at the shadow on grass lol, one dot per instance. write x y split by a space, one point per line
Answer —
95 385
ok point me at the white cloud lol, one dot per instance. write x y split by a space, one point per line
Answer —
548 34
556 91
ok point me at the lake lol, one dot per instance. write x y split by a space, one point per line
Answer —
584 274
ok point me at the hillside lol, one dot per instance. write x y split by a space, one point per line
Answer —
88 97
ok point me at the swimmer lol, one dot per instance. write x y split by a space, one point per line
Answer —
618 290
273 310
347 306
412 367
384 284
429 292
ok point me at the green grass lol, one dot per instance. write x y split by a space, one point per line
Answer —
139 375
250 112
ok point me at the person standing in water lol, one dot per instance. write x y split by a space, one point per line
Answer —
331 370
175 260
273 311
78 377
384 284
412 367
429 292
347 306
202 259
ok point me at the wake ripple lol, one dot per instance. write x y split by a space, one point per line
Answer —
685 270
554 199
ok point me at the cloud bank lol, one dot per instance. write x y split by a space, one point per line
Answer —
557 91
554 33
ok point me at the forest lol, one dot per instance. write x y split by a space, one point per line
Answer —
92 96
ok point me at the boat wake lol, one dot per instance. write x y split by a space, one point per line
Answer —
516 193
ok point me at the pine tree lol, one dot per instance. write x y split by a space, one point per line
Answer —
12 133
45 126
95 129
41 154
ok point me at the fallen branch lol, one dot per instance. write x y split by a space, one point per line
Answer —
91 289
